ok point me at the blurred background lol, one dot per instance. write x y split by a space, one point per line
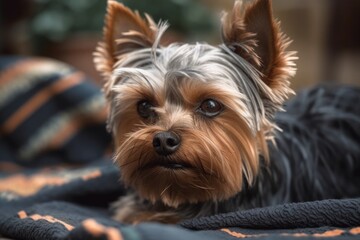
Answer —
326 33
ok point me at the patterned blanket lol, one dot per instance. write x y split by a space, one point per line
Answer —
57 180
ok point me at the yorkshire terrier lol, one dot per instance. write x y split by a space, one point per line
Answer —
192 123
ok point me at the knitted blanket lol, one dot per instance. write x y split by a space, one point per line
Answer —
57 180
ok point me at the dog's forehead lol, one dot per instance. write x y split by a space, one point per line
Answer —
201 63
163 71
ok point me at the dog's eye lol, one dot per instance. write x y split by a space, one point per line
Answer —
145 109
210 108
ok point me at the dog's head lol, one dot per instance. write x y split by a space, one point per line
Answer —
190 120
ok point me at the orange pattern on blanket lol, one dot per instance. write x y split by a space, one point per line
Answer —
97 229
295 234
241 235
18 69
355 231
51 219
92 175
330 233
28 185
74 124
39 99
327 234
234 234
24 186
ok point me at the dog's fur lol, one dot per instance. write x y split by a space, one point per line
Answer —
223 158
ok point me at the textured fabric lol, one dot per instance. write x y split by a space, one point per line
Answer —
76 207
338 213
49 112
61 186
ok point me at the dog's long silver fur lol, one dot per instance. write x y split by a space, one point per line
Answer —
157 66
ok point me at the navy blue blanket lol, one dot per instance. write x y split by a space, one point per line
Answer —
57 179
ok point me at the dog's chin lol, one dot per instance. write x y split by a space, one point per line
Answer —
185 177
172 182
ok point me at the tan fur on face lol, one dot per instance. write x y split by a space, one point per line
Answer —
214 173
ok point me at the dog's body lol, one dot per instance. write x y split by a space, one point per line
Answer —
193 123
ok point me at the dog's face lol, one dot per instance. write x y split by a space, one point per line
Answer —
190 120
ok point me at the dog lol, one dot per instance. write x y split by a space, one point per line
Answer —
193 124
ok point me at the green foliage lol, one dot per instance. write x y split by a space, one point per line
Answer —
186 16
54 20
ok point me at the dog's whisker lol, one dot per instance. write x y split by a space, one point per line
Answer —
165 189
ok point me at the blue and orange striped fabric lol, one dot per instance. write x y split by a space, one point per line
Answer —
49 112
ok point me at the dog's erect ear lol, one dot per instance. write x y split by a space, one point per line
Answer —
124 31
251 32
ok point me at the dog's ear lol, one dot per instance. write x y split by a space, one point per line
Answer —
124 31
251 31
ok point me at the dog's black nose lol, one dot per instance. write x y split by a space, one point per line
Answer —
166 143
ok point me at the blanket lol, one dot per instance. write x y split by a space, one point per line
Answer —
57 179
